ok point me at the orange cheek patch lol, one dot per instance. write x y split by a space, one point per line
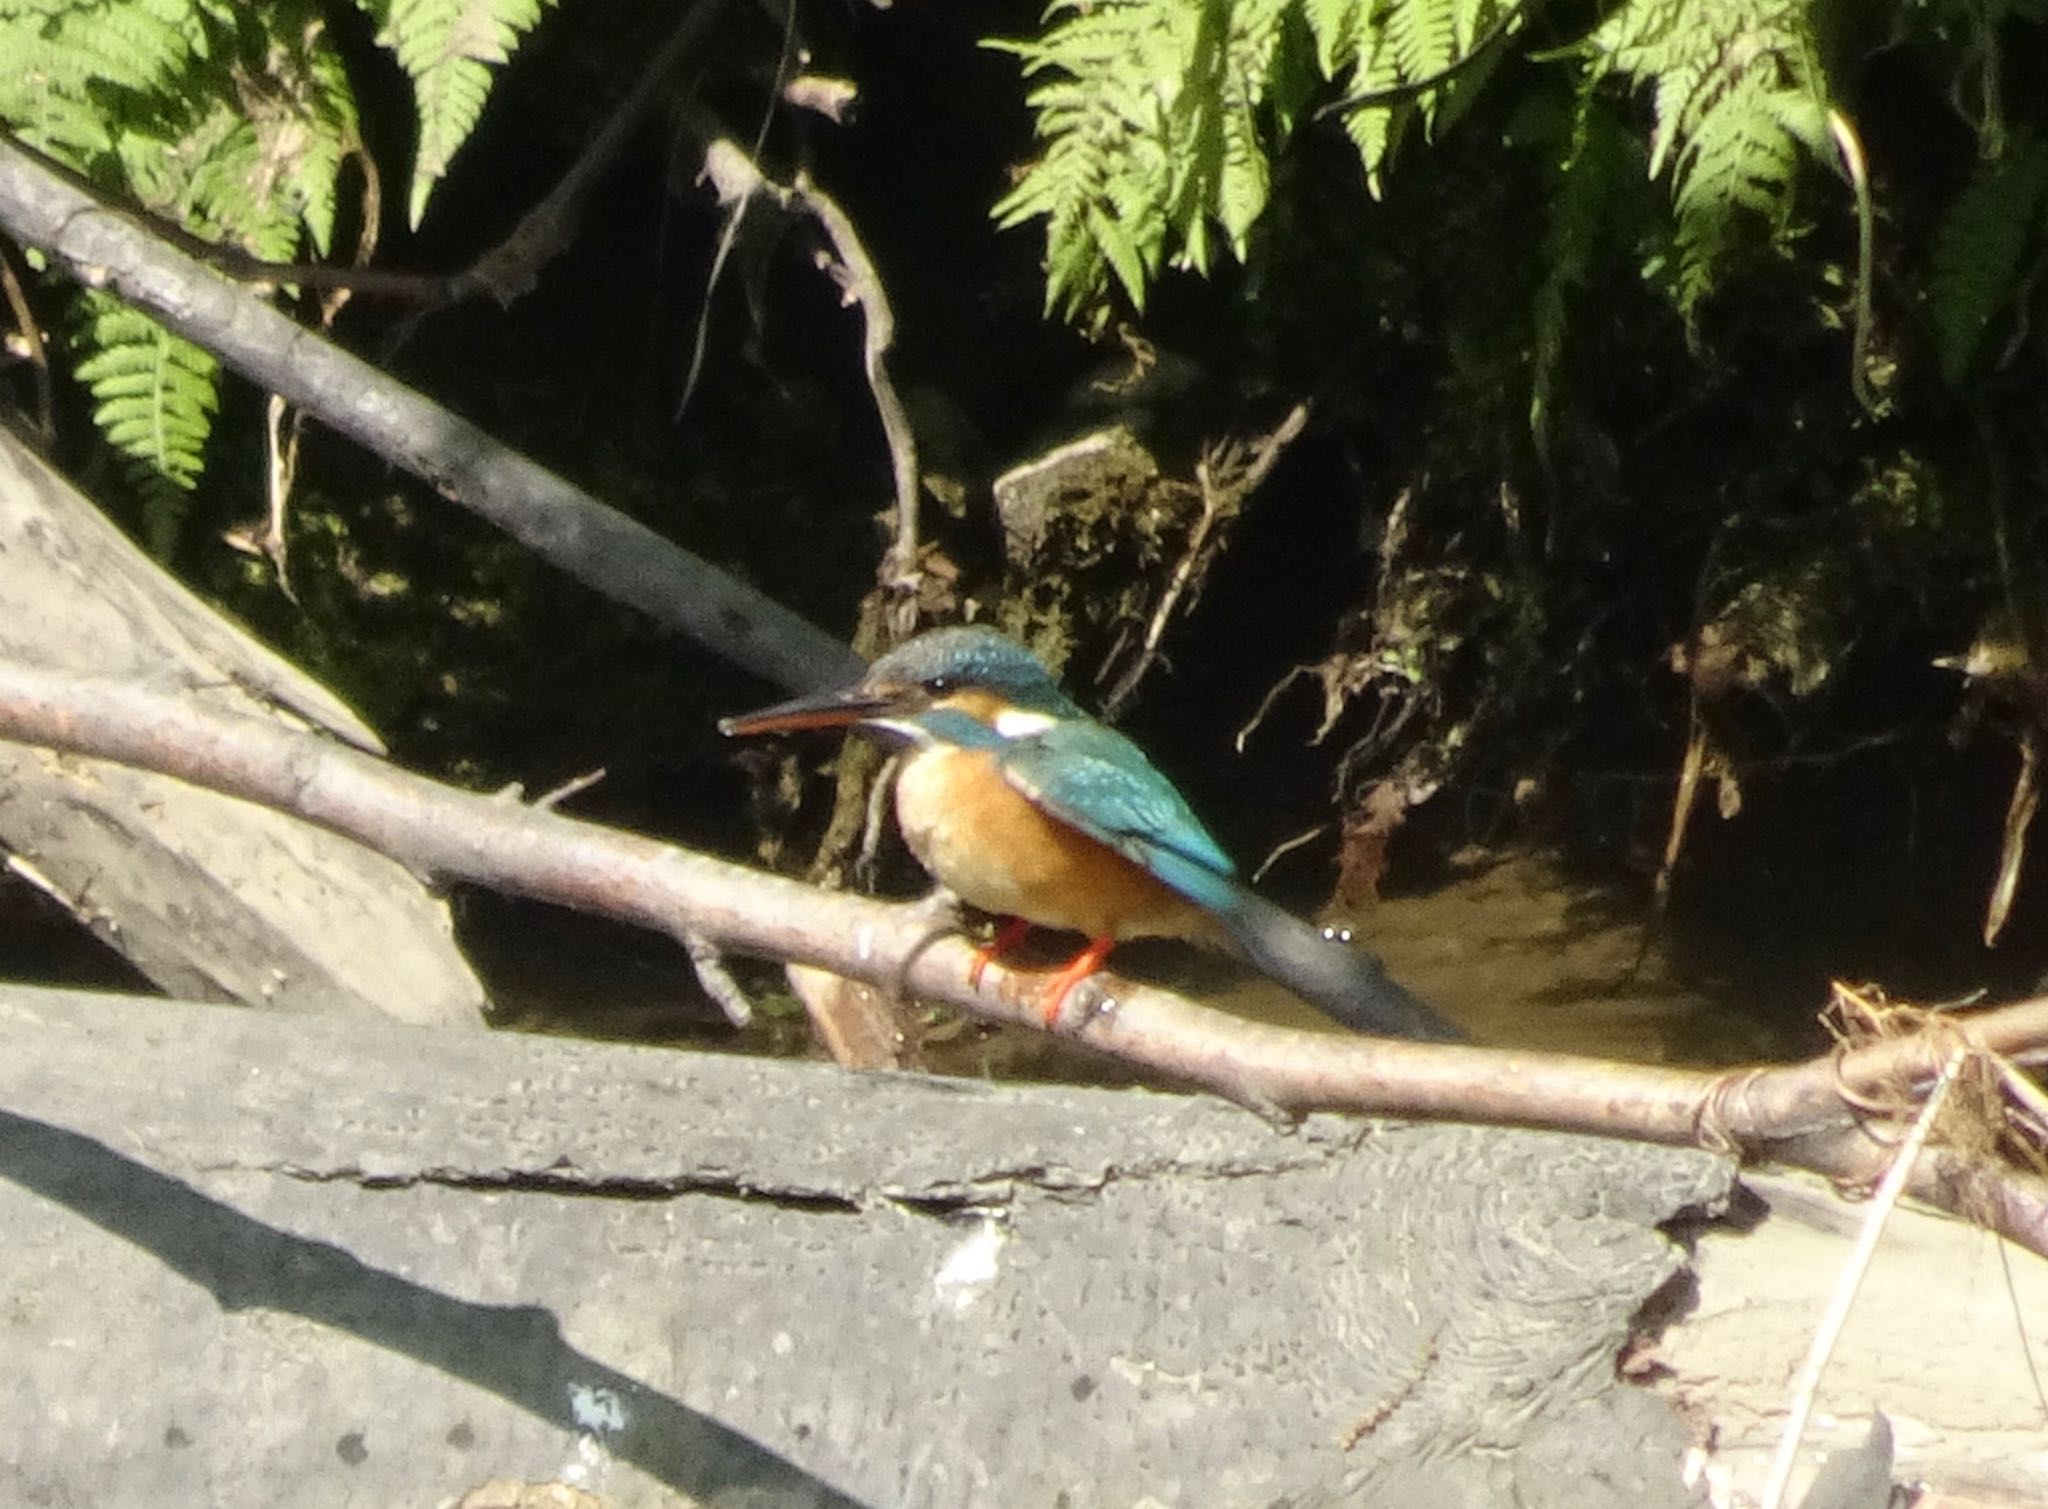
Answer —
982 706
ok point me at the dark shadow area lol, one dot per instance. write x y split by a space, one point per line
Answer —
517 1352
42 942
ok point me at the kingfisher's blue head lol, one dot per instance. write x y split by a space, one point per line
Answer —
965 685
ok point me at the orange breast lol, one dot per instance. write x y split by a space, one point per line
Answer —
987 843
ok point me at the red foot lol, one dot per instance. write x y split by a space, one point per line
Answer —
1009 933
1079 968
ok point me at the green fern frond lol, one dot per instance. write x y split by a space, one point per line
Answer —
155 396
227 118
1740 99
291 95
44 97
1375 129
1153 114
307 127
448 49
67 63
1422 34
1228 179
1387 45
1103 76
1979 245
138 45
1336 27
1158 118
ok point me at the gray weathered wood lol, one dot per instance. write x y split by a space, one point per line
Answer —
209 897
255 1261
1938 1340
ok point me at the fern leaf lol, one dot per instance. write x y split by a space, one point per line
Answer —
226 117
1336 26
1470 21
448 49
1423 36
1739 98
293 91
71 69
1154 116
1109 74
1252 61
229 118
1375 129
156 394
1979 246
1387 45
134 45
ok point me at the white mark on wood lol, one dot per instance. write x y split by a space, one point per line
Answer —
593 1464
1141 1375
971 1266
598 1410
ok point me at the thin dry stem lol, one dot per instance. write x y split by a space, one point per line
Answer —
1844 1297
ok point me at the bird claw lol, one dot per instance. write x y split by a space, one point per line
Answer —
1078 969
1010 932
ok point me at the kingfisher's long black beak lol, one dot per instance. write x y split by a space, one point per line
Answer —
839 709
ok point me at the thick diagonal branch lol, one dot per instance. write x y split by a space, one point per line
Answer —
614 555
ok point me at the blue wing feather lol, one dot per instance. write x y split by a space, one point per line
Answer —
1092 777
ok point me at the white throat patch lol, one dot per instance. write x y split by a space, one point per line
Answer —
903 729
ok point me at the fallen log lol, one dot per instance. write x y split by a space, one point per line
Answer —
207 896
255 1261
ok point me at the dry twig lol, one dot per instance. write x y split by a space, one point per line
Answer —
1837 1316
1220 499
737 180
29 335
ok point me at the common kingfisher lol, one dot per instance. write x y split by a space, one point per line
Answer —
1023 806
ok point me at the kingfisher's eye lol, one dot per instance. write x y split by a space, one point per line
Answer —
939 685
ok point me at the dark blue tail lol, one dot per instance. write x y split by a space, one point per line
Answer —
1343 982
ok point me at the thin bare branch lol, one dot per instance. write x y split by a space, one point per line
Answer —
737 178
510 269
33 351
1837 1316
709 963
1809 1114
1219 500
860 284
728 236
